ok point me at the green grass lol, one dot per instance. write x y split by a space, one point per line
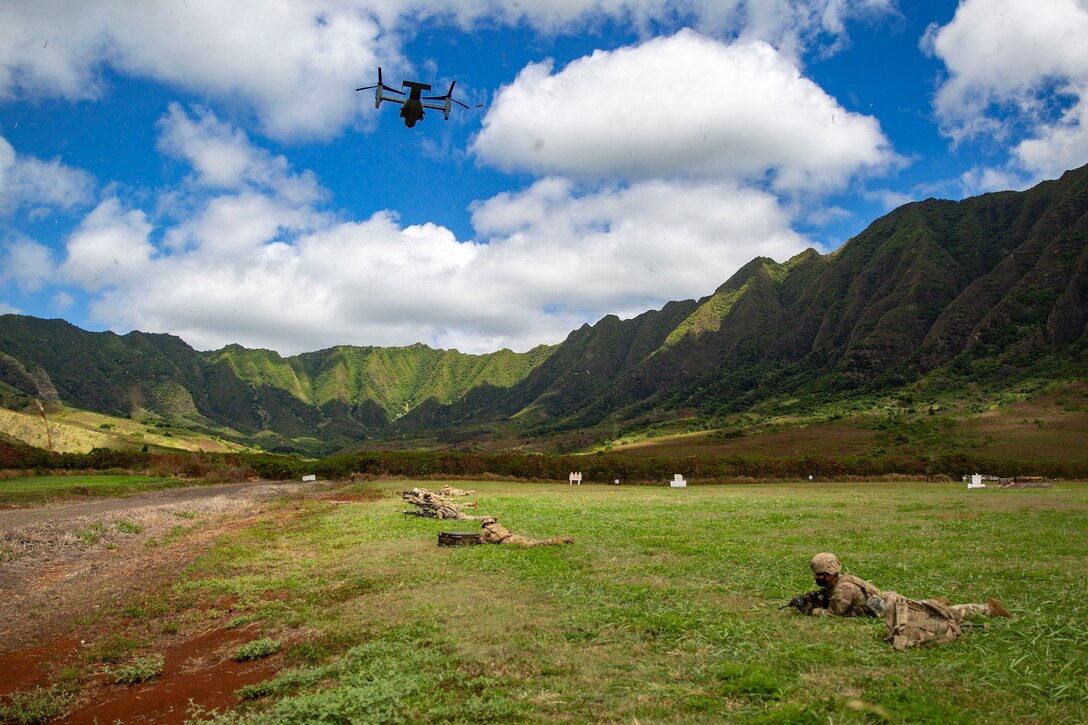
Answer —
43 488
139 670
40 705
664 608
257 649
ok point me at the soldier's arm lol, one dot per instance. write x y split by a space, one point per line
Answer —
843 597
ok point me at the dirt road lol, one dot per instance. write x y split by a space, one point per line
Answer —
55 559
15 518
69 572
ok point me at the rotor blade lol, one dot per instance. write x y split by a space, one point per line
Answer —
365 88
450 91
462 105
392 90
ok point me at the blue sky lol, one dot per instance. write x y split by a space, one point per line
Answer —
207 170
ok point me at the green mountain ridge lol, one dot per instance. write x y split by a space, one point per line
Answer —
936 295
985 290
330 398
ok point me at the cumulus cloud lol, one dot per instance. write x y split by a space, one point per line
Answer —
26 264
288 61
244 195
793 25
110 247
291 62
223 157
623 249
31 183
660 195
680 105
1008 61
251 265
541 274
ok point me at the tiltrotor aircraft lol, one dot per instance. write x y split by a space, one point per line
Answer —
411 108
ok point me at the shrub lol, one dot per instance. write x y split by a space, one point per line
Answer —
139 670
257 649
36 706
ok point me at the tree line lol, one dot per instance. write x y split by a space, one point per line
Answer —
529 466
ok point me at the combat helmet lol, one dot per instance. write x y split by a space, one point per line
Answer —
825 563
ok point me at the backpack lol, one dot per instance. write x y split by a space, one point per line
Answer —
913 623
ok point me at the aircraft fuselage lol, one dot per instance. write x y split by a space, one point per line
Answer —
412 109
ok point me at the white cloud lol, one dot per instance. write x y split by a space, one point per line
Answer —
624 249
890 199
63 301
553 260
6 309
1008 61
244 250
291 62
29 182
793 25
224 158
110 247
1061 145
240 196
26 264
248 265
683 105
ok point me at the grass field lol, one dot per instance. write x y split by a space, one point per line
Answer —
41 488
72 430
1048 426
662 611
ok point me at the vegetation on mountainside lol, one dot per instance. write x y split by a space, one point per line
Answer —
937 301
70 430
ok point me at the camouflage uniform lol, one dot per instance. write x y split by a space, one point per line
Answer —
495 533
852 596
449 491
848 598
432 505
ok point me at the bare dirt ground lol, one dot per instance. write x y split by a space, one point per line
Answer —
69 571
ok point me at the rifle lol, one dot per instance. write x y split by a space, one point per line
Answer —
805 603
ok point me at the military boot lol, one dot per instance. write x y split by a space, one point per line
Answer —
997 609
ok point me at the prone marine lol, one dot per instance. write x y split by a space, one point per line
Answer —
910 622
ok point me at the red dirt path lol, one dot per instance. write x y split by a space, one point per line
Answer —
58 602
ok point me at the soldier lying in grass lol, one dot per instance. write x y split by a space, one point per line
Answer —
450 492
910 622
846 595
495 533
432 505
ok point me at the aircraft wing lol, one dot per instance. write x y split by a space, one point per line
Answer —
394 100
436 106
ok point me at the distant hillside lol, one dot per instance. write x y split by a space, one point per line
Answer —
936 299
315 402
938 294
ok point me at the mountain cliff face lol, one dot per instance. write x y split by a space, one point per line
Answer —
331 398
984 288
